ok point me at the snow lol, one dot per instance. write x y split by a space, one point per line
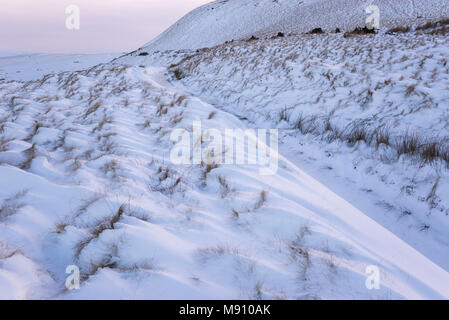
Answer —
87 180
184 243
24 66
259 82
226 20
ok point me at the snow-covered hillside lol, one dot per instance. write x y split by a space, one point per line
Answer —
368 111
227 20
86 177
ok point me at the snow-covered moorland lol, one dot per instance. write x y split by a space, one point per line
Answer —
375 106
24 66
87 180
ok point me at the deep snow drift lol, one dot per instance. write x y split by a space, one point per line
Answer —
227 20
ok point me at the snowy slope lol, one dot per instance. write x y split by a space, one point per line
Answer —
87 181
226 20
345 113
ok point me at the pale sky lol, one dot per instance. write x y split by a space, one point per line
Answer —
105 25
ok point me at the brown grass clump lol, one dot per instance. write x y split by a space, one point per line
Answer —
12 205
261 201
4 141
168 182
400 29
107 223
360 31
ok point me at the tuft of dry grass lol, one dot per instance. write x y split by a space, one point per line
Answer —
435 27
161 110
30 154
411 89
85 204
145 265
145 124
207 168
4 141
299 252
12 205
428 150
409 144
179 75
168 182
179 100
284 115
107 146
382 136
34 130
224 186
107 223
111 168
60 227
92 109
261 201
7 251
360 31
211 115
106 120
3 122
206 254
177 118
75 164
357 132
400 29
432 194
258 290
